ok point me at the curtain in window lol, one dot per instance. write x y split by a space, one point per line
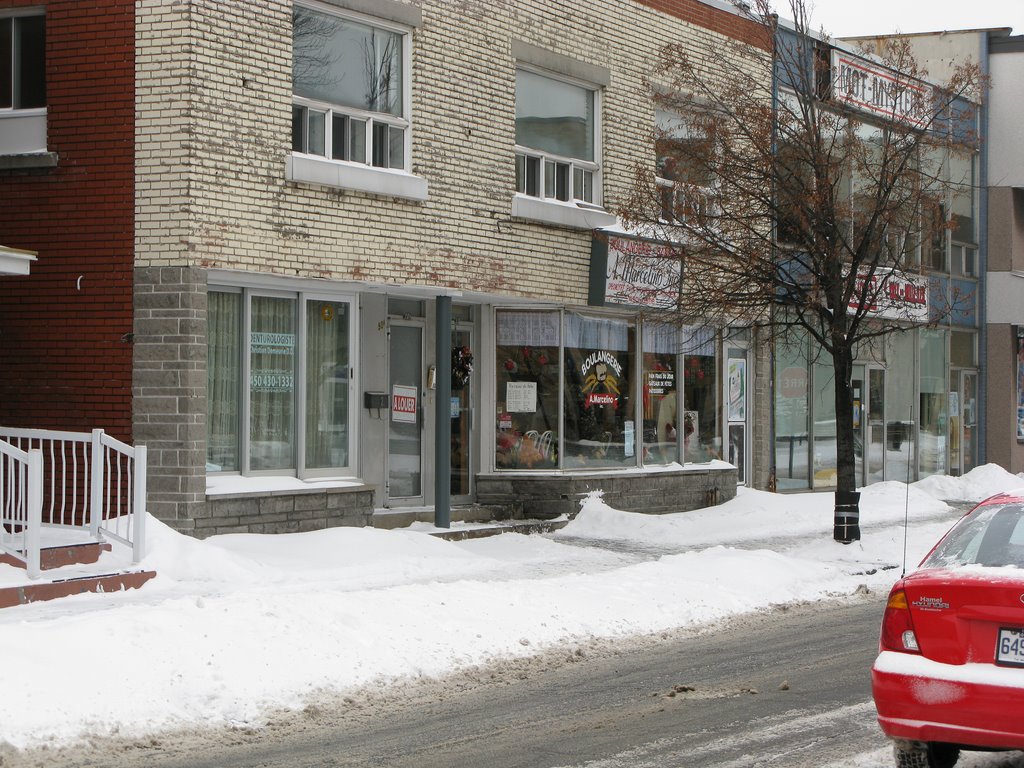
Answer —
327 384
223 379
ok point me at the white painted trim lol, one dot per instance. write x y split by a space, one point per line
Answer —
14 261
22 131
560 213
363 178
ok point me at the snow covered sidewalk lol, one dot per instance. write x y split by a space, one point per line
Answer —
234 626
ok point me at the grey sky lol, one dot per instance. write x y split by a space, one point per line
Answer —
843 18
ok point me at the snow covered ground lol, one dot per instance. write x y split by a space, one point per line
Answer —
237 625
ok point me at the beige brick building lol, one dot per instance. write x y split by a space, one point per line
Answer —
318 181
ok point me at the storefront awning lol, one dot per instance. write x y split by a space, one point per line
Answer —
14 261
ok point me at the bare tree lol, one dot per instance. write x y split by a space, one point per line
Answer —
803 188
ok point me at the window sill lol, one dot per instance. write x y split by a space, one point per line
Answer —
355 176
238 486
571 215
16 161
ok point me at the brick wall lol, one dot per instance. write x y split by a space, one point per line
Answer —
64 354
213 192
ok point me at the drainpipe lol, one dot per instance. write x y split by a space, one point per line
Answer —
981 415
443 414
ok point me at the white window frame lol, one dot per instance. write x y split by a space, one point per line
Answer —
351 174
23 131
575 212
272 289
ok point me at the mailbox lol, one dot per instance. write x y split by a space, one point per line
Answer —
375 401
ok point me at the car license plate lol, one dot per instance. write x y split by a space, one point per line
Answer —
1010 648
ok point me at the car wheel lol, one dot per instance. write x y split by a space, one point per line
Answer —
916 754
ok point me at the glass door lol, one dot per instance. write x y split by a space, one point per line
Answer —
874 425
965 421
736 398
462 416
869 423
405 433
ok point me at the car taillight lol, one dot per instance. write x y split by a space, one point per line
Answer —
897 626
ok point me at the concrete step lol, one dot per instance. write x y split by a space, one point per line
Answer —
66 554
53 590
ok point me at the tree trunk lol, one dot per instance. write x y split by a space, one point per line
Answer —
847 504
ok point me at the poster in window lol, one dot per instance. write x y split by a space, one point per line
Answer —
521 397
737 392
404 404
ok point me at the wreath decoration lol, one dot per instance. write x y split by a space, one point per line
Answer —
462 366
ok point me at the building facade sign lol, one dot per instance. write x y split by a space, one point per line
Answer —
634 273
897 296
872 88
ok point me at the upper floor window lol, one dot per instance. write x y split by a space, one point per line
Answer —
684 168
22 62
556 130
349 89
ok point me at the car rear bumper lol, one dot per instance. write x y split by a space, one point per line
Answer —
967 704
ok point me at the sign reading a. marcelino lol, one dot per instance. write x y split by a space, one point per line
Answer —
633 273
601 374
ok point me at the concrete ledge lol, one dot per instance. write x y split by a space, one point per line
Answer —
292 511
521 496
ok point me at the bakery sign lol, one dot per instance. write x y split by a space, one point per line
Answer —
873 88
634 273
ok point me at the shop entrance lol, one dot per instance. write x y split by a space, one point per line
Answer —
462 420
963 399
736 399
869 423
405 427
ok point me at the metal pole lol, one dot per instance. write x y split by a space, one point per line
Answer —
443 414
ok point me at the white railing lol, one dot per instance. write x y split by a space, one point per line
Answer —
21 504
89 481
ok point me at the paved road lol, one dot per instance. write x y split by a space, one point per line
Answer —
789 689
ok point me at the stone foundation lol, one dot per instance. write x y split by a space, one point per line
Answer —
517 496
285 511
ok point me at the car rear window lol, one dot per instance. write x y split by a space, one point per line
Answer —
992 536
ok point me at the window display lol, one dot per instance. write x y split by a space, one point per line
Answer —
600 428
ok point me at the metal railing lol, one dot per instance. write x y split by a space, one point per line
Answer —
88 481
21 504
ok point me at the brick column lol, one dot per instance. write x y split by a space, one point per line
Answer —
169 389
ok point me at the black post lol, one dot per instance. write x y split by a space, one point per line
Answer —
847 517
443 415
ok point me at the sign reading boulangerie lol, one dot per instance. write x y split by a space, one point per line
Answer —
633 273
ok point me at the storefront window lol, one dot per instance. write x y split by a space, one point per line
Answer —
825 455
933 407
272 383
527 384
701 437
899 406
791 415
264 412
660 394
600 426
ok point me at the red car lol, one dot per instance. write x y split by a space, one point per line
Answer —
950 670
